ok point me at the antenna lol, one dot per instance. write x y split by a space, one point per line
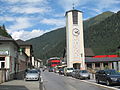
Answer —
73 6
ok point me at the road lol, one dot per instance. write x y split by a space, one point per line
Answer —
53 81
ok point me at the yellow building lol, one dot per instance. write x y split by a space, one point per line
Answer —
27 48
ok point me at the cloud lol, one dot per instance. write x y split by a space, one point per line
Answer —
6 18
68 4
22 1
57 22
20 23
107 3
26 6
29 10
25 35
97 5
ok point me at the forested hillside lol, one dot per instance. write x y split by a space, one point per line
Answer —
104 37
101 33
97 19
51 44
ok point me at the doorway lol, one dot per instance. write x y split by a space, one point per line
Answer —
2 62
76 65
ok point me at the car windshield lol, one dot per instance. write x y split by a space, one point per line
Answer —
112 72
69 68
32 71
84 71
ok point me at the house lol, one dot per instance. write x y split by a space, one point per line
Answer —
28 49
10 58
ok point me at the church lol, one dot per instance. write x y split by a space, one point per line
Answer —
76 55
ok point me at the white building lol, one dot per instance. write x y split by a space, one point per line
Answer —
10 58
75 42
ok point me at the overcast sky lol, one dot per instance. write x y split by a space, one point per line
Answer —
25 19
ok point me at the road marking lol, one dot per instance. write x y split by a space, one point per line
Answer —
100 85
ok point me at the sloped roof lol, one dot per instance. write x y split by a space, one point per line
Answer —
2 38
89 52
6 39
21 42
107 59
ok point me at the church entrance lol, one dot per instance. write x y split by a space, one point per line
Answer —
76 65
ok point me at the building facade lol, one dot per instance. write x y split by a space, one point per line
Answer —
74 39
27 48
10 58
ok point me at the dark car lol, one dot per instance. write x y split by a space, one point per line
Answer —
109 76
51 69
61 71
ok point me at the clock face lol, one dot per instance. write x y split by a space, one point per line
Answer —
76 32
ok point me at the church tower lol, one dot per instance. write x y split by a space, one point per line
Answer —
74 39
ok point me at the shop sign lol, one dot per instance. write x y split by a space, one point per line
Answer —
2 52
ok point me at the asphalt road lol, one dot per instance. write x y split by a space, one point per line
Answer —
53 81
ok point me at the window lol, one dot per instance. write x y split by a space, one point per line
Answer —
2 58
97 64
75 17
2 64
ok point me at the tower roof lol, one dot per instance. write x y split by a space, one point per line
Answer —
72 11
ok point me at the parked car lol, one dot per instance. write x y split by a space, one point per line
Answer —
68 71
51 69
109 76
83 74
61 71
32 75
74 73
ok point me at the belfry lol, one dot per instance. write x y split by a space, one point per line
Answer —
74 39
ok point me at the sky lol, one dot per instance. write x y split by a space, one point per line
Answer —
26 19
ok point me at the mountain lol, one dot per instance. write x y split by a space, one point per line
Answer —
3 32
103 38
50 44
97 19
53 43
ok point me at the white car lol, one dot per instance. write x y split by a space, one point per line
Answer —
68 71
32 75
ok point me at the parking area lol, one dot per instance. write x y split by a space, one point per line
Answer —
93 82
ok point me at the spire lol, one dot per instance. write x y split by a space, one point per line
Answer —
73 6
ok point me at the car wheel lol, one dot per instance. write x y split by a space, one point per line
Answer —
97 80
88 77
108 83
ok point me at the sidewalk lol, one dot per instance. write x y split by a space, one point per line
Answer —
20 85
